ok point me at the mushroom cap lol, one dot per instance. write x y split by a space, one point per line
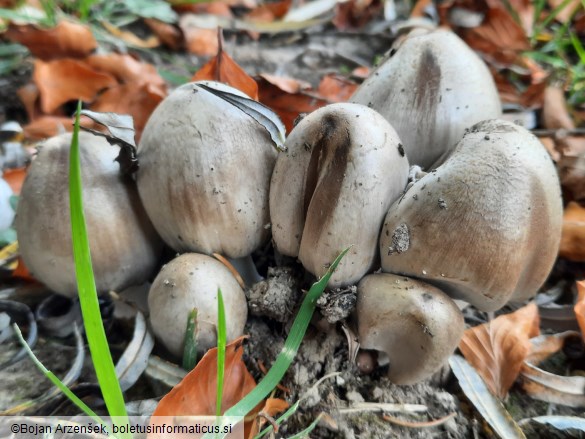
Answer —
192 281
343 168
485 226
431 89
124 246
204 173
415 324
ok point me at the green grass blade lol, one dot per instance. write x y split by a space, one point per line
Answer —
578 46
92 321
291 346
55 380
190 348
306 431
221 342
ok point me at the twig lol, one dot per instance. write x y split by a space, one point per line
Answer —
428 424
384 407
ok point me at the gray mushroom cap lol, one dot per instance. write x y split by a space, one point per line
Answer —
331 189
485 226
431 89
192 281
124 246
204 173
415 324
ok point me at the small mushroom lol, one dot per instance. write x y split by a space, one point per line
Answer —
192 281
124 246
415 324
343 168
431 89
485 226
204 175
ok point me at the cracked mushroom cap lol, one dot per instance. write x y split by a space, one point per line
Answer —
343 168
191 281
431 89
485 226
124 246
415 324
204 174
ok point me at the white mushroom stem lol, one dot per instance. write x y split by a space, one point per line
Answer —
247 269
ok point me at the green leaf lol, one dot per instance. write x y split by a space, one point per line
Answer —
157 9
221 342
291 346
92 321
190 347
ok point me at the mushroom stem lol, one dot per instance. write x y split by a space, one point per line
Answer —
247 269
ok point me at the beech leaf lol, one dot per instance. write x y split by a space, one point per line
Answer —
498 349
556 389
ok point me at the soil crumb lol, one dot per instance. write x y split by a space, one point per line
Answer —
277 296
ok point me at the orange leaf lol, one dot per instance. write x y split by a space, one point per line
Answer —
580 307
138 100
543 346
29 96
285 83
573 236
288 105
48 126
65 80
168 34
22 272
14 177
222 68
497 349
196 393
354 14
67 39
198 41
268 12
336 88
272 407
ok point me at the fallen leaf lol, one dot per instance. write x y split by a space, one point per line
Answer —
544 346
568 10
14 177
222 68
44 127
127 69
138 100
285 83
65 80
218 8
580 307
198 41
555 115
288 106
131 38
557 389
498 349
167 33
336 88
355 14
361 72
272 407
560 422
22 272
29 96
67 39
573 235
270 11
195 395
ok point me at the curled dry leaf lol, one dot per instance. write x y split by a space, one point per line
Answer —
222 68
556 389
336 88
64 80
272 407
543 346
580 307
195 395
167 33
285 83
198 41
498 349
573 236
566 13
67 39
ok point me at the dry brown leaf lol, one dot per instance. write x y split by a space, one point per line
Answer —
556 116
361 72
48 126
498 349
131 38
135 99
127 69
354 14
288 106
29 96
270 11
195 395
557 389
222 68
285 83
168 34
499 37
336 88
198 41
567 12
218 8
14 177
573 235
580 307
63 80
543 346
272 407
67 39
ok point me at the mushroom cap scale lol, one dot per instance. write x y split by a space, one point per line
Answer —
192 281
431 89
485 226
204 173
415 324
124 246
343 168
